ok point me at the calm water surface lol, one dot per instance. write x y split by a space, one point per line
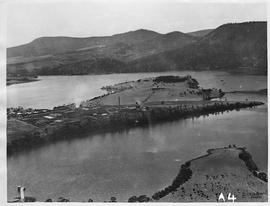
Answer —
51 91
135 161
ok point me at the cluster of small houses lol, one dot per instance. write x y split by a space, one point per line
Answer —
21 112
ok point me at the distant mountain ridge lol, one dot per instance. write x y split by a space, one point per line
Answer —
239 47
54 45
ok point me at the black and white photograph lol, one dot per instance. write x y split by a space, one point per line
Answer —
135 101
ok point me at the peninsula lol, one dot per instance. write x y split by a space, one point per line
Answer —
212 177
128 104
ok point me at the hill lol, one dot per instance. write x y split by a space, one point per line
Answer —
52 55
222 171
239 48
56 45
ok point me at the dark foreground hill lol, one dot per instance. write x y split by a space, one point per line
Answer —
226 174
238 48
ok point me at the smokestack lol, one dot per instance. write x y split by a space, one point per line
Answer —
21 193
119 101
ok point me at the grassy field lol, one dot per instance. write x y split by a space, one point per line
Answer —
149 90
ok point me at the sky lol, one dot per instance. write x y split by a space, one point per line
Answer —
28 20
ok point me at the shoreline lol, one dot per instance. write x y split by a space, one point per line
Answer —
168 71
21 81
